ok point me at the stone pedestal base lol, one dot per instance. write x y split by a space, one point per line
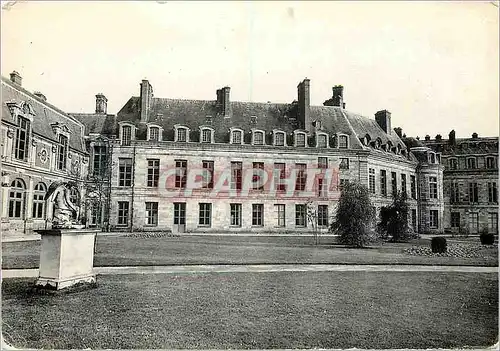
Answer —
66 258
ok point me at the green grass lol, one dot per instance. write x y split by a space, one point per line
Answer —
258 310
127 251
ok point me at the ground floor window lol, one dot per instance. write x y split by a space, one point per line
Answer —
39 201
152 213
95 214
300 215
123 210
16 199
474 223
258 214
236 215
493 222
455 220
280 214
179 213
322 215
205 214
433 219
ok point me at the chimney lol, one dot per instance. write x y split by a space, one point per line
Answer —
439 137
16 78
451 138
383 119
146 99
224 101
40 96
474 136
304 101
427 137
399 131
337 98
101 104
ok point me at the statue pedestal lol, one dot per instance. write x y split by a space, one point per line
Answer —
66 258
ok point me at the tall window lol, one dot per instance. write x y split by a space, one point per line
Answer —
257 180
454 193
453 163
153 173
474 222
493 222
403 183
280 214
236 137
473 194
181 173
125 172
258 138
181 135
100 160
279 139
383 182
236 170
126 135
394 182
206 136
258 214
123 212
322 140
471 163
279 174
208 174
322 215
371 180
455 219
179 213
154 133
39 200
235 215
205 214
342 142
413 187
95 214
344 163
492 192
433 217
301 180
62 152
432 158
300 215
300 139
22 139
490 162
322 162
322 188
16 199
433 188
152 214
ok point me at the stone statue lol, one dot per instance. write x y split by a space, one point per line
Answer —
65 213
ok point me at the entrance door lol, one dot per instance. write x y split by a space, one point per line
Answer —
474 223
179 217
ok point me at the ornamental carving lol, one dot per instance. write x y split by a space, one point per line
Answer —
54 149
43 155
34 142
10 133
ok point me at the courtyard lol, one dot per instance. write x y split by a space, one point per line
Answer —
183 307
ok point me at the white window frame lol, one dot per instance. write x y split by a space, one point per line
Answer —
132 131
231 131
254 131
212 131
338 140
177 127
295 136
275 133
318 134
160 131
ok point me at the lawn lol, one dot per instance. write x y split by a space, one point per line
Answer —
375 310
184 250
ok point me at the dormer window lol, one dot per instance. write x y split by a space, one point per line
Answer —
471 163
321 140
432 158
154 133
388 146
398 149
181 134
22 138
453 163
279 138
207 135
490 162
300 139
258 137
236 136
343 142
126 135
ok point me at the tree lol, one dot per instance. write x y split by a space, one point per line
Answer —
394 219
354 215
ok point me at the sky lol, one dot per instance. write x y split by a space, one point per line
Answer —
433 65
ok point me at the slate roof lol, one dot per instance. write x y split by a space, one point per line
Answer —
97 123
464 146
45 114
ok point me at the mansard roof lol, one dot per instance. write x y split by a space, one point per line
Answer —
45 114
464 146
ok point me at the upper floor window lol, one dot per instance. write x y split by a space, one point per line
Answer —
181 134
258 137
100 160
125 172
62 152
432 157
343 144
471 163
490 162
126 135
22 139
300 139
279 138
206 135
154 133
453 163
236 136
322 140
388 147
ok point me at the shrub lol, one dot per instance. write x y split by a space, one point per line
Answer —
487 238
438 244
394 220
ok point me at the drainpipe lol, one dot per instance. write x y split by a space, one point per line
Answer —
110 174
133 187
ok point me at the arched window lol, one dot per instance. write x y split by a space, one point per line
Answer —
279 138
300 139
39 201
207 135
154 133
471 163
181 134
322 140
432 157
258 137
16 199
343 142
236 137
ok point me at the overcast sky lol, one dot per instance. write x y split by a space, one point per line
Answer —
435 66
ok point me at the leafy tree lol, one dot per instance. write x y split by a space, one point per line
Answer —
354 215
394 219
